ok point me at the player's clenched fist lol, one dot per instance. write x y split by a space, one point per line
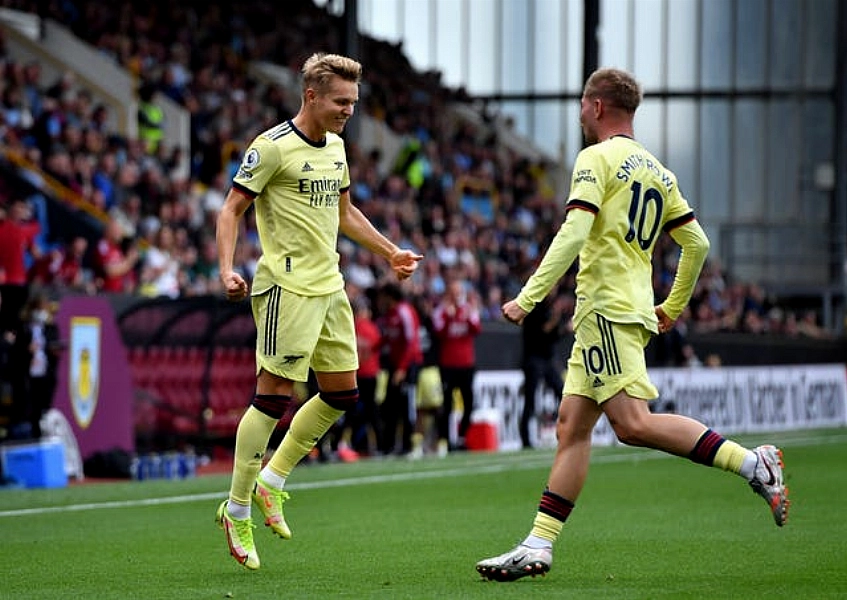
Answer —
234 286
513 312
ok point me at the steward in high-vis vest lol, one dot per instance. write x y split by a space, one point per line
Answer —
151 119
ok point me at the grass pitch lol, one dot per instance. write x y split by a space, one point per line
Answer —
647 526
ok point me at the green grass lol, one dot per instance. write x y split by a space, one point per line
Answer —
647 526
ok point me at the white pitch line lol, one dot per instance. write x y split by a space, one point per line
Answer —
334 483
524 464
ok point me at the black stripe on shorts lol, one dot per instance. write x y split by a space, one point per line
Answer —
610 349
272 320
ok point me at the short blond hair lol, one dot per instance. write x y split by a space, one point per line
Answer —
616 87
320 68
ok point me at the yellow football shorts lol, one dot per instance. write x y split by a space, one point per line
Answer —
430 394
296 332
608 357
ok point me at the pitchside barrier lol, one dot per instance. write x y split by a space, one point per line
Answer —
157 375
731 400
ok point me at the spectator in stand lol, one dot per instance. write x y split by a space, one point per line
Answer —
129 215
13 108
360 269
74 273
205 273
116 261
104 177
400 326
43 272
490 309
161 268
63 268
32 87
18 232
224 118
151 118
456 324
47 128
809 327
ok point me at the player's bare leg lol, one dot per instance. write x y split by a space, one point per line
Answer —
534 556
762 467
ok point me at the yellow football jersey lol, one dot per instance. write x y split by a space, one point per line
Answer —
634 198
296 184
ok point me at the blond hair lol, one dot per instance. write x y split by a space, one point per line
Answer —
320 68
616 87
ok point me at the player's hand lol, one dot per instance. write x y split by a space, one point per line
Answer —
234 286
513 312
665 322
404 263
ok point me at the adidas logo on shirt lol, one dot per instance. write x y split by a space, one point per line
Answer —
306 168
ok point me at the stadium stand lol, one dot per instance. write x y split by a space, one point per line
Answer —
434 170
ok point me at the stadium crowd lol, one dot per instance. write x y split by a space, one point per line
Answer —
477 211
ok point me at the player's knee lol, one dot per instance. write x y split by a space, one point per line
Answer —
344 400
570 430
631 433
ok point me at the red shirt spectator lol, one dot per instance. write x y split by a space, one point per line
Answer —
17 236
401 334
116 267
368 339
71 272
456 323
46 268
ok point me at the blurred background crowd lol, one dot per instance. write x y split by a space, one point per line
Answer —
478 211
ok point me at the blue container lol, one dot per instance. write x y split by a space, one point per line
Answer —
170 465
37 465
187 465
153 466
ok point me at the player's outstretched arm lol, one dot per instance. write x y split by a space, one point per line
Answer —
558 258
695 248
358 228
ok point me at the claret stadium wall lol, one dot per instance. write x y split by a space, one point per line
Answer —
168 373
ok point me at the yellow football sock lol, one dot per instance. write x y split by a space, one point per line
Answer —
546 527
730 456
309 424
251 440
